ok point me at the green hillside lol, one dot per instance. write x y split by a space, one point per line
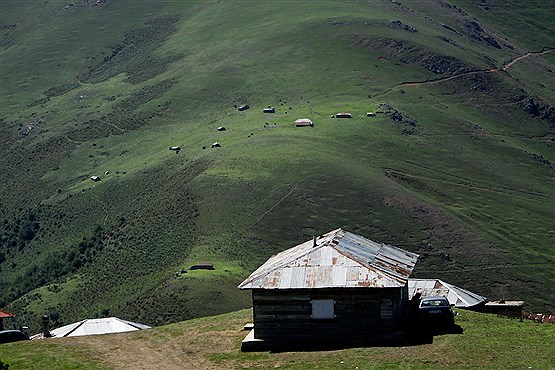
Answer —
488 342
458 166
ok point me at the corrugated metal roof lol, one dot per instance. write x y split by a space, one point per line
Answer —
107 325
339 259
437 288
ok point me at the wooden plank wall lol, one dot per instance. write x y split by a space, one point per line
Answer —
280 314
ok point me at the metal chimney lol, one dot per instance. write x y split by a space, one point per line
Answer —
313 241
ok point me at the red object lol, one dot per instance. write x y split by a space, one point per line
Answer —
5 314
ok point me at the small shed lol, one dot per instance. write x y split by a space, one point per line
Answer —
95 178
337 288
221 128
202 266
216 145
370 114
304 122
505 308
343 115
269 110
243 107
460 297
106 325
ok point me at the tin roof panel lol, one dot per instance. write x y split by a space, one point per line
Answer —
336 259
437 288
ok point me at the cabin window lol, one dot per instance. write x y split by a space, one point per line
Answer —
323 309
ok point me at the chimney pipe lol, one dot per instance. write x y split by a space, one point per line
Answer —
313 241
45 325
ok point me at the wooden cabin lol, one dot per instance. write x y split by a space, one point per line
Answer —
269 110
335 289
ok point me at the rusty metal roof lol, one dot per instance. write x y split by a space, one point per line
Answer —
339 259
438 288
4 314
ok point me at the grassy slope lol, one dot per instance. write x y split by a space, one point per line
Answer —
214 342
463 190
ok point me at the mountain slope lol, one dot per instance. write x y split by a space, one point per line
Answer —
458 167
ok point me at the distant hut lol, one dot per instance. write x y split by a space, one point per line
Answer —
221 128
216 145
175 148
243 107
269 110
370 114
335 289
202 266
304 122
95 178
344 115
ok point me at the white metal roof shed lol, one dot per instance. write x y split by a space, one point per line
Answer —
107 325
460 297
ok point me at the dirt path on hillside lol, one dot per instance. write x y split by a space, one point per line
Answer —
505 67
293 188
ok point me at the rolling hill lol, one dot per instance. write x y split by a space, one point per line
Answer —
457 165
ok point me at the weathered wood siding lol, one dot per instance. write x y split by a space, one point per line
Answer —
359 312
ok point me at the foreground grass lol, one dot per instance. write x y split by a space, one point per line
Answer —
488 341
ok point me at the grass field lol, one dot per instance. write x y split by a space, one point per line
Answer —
214 342
459 167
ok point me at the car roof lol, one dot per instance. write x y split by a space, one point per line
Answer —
434 299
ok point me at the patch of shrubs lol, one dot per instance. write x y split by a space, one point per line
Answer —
57 265
15 235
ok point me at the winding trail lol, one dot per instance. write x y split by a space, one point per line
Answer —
293 188
505 67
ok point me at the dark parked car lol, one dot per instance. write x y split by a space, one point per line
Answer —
7 336
436 312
